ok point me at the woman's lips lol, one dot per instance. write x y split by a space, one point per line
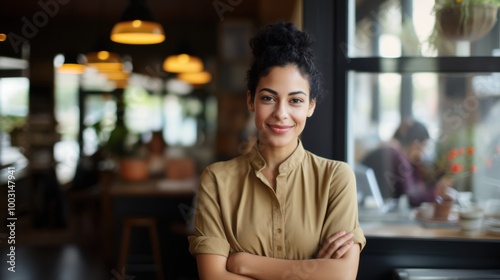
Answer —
279 129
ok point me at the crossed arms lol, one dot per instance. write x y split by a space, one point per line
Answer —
336 259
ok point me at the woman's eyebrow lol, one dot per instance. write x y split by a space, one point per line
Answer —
275 92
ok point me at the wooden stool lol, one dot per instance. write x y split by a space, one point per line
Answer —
150 223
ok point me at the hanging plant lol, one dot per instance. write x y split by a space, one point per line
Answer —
465 20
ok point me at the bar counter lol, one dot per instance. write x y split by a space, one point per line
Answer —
415 230
409 244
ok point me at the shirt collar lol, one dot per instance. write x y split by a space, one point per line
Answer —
258 162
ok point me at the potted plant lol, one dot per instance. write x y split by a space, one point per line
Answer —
465 20
130 153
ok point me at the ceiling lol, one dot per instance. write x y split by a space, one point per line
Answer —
79 26
99 10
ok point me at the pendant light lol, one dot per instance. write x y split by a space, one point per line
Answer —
104 61
196 78
137 26
182 63
69 63
111 65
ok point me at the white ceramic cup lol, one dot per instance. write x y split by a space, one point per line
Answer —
470 220
427 210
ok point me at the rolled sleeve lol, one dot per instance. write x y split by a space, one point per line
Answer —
343 208
358 237
208 245
209 236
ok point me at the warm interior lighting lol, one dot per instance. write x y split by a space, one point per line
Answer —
182 63
69 64
138 33
198 78
137 26
3 37
117 75
104 61
71 68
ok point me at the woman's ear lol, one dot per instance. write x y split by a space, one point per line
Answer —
312 106
250 103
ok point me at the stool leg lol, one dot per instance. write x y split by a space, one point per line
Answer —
155 246
122 261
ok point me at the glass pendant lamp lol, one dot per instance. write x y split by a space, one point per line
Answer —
69 63
137 26
182 63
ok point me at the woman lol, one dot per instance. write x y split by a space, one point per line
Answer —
279 211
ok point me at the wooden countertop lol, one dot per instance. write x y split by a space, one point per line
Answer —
156 187
415 230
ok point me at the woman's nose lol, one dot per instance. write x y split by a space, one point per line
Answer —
280 111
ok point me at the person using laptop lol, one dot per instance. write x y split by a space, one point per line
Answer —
399 168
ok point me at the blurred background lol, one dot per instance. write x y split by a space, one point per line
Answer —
78 109
110 109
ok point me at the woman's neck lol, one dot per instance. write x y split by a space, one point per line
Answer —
274 156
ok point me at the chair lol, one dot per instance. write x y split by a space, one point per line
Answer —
128 224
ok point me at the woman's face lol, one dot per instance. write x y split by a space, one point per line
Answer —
281 106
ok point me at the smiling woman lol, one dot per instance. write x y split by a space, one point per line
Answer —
279 207
281 106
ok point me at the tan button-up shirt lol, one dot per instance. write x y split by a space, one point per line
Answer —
238 210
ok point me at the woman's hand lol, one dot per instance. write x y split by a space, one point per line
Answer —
444 189
335 246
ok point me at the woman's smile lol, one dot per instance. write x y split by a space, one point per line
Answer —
279 129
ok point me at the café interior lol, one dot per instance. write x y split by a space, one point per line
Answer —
104 133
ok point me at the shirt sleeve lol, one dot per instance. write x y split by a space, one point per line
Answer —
209 236
343 205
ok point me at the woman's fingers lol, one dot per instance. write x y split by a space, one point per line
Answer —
336 245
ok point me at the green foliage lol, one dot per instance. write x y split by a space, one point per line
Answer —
8 123
123 143
445 3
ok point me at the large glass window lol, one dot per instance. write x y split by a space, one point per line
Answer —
396 28
412 62
184 117
13 103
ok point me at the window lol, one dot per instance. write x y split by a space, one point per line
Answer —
402 64
13 116
185 118
13 102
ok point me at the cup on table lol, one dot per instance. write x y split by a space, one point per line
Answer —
470 220
427 210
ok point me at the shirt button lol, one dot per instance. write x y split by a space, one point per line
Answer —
279 248
278 230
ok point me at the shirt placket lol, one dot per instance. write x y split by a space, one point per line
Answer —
278 218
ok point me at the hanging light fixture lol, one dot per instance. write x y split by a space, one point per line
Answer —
137 26
111 66
104 61
182 63
196 78
69 63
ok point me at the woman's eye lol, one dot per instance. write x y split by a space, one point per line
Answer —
296 100
267 98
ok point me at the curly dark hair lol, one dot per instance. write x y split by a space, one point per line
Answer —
282 44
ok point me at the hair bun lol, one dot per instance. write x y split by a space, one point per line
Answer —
283 37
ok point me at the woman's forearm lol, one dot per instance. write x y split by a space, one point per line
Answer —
259 267
213 267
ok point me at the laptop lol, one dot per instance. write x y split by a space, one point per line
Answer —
369 195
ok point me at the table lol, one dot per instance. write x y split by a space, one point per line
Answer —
168 201
408 244
155 188
414 230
